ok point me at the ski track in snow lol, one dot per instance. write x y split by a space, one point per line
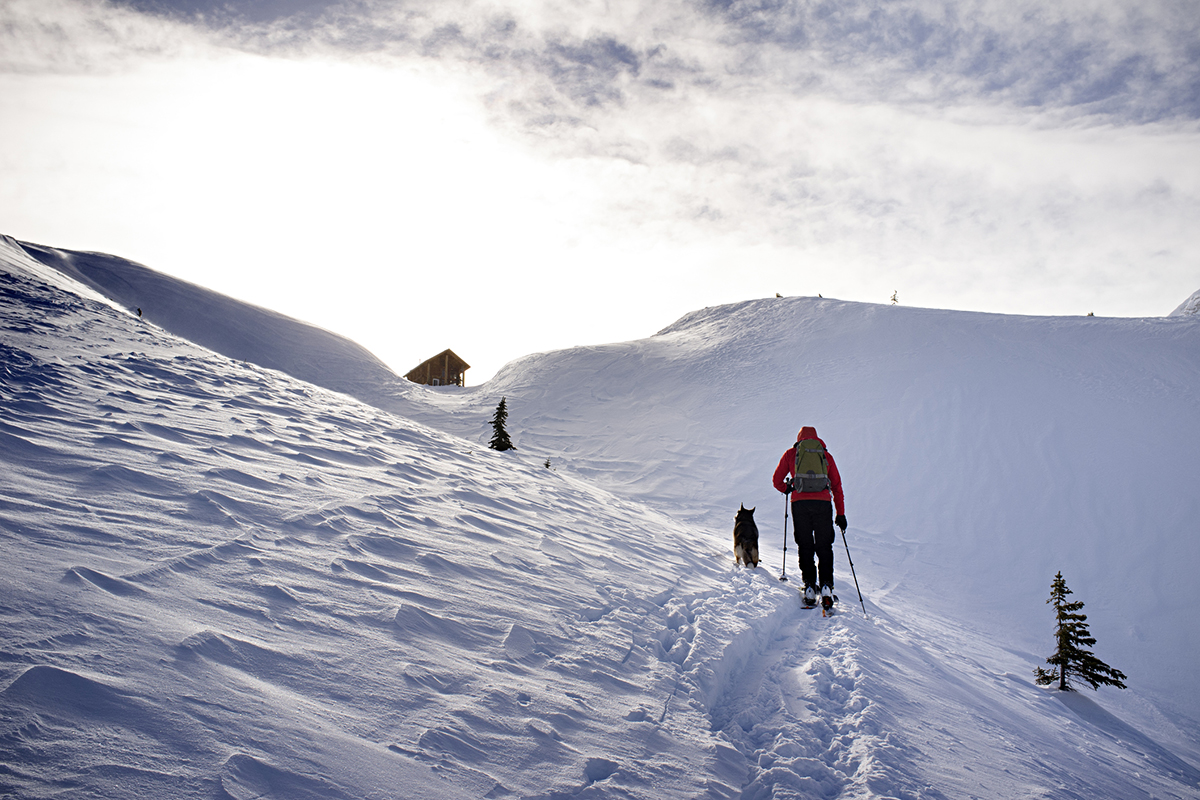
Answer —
803 721
224 582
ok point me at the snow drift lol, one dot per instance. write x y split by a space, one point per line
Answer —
224 581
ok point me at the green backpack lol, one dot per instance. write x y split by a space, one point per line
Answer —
812 470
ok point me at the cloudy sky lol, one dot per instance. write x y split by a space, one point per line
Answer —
509 176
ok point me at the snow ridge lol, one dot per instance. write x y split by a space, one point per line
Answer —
1189 307
237 330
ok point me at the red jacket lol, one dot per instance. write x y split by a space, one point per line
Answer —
788 463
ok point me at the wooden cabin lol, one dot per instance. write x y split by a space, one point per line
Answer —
444 369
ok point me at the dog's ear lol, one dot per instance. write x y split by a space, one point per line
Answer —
751 510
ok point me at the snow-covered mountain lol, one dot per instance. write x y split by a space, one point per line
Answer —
221 580
1189 306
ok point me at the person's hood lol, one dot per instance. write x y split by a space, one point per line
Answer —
808 432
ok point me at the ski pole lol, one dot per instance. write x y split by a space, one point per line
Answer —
783 575
851 560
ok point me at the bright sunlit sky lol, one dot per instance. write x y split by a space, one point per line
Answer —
511 176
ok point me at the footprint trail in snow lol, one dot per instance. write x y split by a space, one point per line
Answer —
803 718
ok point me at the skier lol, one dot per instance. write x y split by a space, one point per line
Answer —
815 486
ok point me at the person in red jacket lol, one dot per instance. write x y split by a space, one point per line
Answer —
812 514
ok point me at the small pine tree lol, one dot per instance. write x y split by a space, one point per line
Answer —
895 298
500 440
1071 657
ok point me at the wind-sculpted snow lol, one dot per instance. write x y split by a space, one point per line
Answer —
219 581
206 558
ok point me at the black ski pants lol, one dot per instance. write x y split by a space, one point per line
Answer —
813 521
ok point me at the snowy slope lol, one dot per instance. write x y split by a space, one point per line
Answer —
240 331
224 582
981 453
219 579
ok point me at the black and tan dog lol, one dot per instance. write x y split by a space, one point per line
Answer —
745 537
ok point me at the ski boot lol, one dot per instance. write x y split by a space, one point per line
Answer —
827 598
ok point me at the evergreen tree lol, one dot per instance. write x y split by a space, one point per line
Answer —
1072 656
500 440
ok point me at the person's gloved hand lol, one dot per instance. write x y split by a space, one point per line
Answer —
840 521
787 486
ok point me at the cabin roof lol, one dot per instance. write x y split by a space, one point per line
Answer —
447 367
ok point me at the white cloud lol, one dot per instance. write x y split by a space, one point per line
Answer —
547 163
85 36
